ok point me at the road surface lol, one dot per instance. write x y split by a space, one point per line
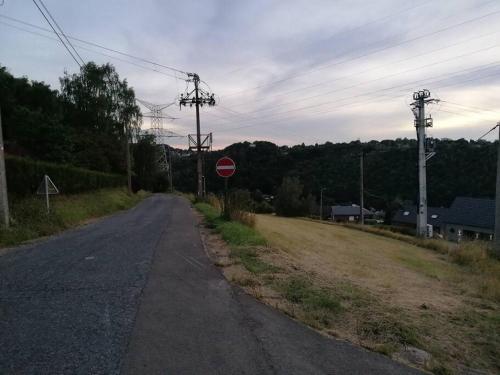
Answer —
135 293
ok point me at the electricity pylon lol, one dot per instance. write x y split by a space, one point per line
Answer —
164 154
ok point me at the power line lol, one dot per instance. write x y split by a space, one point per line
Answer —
486 66
61 31
349 31
328 82
90 50
100 46
422 36
471 108
488 132
364 101
383 77
55 32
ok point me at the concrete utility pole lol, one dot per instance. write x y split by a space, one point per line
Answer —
497 202
4 201
421 122
129 161
362 190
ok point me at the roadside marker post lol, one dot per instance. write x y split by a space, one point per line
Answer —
225 168
47 187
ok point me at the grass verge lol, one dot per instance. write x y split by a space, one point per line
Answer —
234 233
30 219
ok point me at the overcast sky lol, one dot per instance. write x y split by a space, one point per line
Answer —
284 71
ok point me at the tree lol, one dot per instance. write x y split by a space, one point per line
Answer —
102 111
289 201
145 165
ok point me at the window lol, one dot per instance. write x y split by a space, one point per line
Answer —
434 216
406 213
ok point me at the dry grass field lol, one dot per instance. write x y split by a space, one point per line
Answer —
382 293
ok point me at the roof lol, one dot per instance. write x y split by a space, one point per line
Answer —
348 211
473 212
408 215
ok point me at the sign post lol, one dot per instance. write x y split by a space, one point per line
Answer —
47 187
225 168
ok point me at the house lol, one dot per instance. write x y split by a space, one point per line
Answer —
349 213
407 217
466 218
470 218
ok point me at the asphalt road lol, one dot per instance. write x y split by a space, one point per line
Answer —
134 293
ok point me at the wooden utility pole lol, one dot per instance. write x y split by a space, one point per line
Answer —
321 203
4 201
199 162
200 97
362 190
497 202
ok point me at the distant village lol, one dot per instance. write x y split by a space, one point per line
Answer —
466 219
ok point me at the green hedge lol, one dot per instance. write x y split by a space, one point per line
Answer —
25 175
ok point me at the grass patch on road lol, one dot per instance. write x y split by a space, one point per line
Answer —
30 219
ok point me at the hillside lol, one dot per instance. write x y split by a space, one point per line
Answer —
460 168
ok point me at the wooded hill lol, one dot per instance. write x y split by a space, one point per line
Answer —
459 168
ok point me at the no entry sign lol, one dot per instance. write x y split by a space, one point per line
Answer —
225 167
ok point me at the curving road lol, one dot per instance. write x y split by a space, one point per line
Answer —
134 293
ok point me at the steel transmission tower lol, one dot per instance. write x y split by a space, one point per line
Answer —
156 116
421 98
197 97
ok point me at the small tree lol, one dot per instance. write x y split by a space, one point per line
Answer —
289 201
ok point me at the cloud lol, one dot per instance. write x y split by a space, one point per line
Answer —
289 72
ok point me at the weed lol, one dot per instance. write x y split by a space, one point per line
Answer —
300 291
251 262
386 329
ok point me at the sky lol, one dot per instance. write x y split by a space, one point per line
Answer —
289 72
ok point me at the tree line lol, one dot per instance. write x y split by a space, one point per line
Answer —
85 124
459 168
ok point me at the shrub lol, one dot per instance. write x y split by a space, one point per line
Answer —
263 207
469 253
25 175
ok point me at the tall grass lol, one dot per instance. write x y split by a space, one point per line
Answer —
473 255
30 219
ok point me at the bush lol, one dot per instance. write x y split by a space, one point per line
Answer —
25 175
263 207
469 253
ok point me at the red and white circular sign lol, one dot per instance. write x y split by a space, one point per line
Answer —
225 167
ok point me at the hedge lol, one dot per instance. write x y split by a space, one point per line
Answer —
25 175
